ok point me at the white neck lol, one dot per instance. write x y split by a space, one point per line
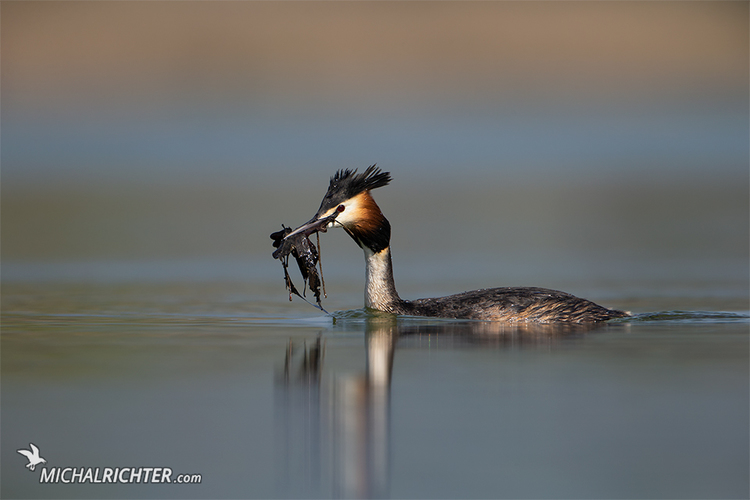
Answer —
380 290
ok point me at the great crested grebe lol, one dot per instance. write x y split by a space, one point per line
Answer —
348 204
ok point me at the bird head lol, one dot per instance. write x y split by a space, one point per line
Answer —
349 205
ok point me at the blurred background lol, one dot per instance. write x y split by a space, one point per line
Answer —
543 143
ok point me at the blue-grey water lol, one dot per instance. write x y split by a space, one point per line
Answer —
149 327
151 366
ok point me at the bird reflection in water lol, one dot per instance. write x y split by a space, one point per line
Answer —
334 431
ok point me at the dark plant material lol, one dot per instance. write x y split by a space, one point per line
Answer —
297 244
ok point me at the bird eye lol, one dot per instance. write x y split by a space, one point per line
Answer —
340 208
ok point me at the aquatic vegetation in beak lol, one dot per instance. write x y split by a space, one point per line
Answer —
297 244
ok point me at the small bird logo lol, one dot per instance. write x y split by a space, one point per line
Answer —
33 456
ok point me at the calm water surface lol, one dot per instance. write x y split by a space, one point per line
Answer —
264 398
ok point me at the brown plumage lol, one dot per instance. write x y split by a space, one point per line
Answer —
508 304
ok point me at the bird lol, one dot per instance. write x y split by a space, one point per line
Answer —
348 204
33 456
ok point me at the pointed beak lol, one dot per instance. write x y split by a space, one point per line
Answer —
314 224
281 239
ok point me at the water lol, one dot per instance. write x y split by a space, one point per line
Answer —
265 398
150 327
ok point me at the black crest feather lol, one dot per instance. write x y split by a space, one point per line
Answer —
352 183
347 183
